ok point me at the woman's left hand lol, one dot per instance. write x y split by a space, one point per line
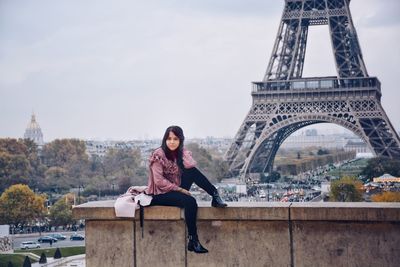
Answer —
184 191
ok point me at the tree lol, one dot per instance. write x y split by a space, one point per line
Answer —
346 189
220 168
19 206
57 254
272 177
386 197
322 151
37 169
69 154
380 165
13 169
27 262
56 179
19 163
96 166
61 212
141 176
213 167
60 152
121 162
43 258
121 168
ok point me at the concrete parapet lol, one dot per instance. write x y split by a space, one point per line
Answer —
246 234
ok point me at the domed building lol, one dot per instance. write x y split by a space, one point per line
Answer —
34 132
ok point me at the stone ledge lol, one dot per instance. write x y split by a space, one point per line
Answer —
104 210
269 211
345 211
249 211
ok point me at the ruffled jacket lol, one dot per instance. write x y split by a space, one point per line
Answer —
165 175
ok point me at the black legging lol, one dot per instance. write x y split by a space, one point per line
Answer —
178 199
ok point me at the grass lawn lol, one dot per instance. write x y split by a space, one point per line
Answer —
18 259
353 168
65 252
15 259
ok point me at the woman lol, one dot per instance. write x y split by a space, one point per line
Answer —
172 173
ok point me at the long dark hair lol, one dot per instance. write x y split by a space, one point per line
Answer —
170 154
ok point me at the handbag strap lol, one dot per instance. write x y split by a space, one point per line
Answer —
141 218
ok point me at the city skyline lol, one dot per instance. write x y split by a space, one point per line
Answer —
128 70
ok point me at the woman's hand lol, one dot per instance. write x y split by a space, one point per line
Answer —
184 191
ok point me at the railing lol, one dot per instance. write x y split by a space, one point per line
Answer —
325 83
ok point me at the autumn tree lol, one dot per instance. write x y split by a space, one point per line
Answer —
19 163
67 159
346 189
212 166
380 165
386 197
57 179
60 151
37 169
113 174
121 162
96 166
61 211
20 206
13 169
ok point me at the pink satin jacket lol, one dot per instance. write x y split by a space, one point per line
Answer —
164 175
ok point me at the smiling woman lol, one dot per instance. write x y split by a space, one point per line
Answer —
172 173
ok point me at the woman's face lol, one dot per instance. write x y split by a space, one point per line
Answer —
172 141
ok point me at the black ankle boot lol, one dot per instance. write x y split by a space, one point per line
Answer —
217 201
194 245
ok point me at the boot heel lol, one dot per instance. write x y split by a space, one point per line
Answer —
217 201
194 245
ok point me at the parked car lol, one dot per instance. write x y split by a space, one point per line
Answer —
47 239
77 237
29 244
58 236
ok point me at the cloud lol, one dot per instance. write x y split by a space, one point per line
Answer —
126 69
376 14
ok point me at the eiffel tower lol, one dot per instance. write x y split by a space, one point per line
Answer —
284 101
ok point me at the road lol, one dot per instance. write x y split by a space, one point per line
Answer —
18 239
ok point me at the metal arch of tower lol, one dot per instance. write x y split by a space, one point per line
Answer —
271 144
285 101
278 133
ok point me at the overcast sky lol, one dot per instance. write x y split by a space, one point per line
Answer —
128 69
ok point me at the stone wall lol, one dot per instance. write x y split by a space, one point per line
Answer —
5 244
247 234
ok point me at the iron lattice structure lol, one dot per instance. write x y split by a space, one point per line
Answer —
284 101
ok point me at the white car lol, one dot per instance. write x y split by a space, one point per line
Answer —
29 244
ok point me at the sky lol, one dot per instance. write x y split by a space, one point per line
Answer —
127 69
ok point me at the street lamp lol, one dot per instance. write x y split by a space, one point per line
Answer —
79 193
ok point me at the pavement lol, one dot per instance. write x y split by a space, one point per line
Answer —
47 233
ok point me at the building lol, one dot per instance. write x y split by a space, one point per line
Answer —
386 178
100 148
313 139
34 132
357 145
